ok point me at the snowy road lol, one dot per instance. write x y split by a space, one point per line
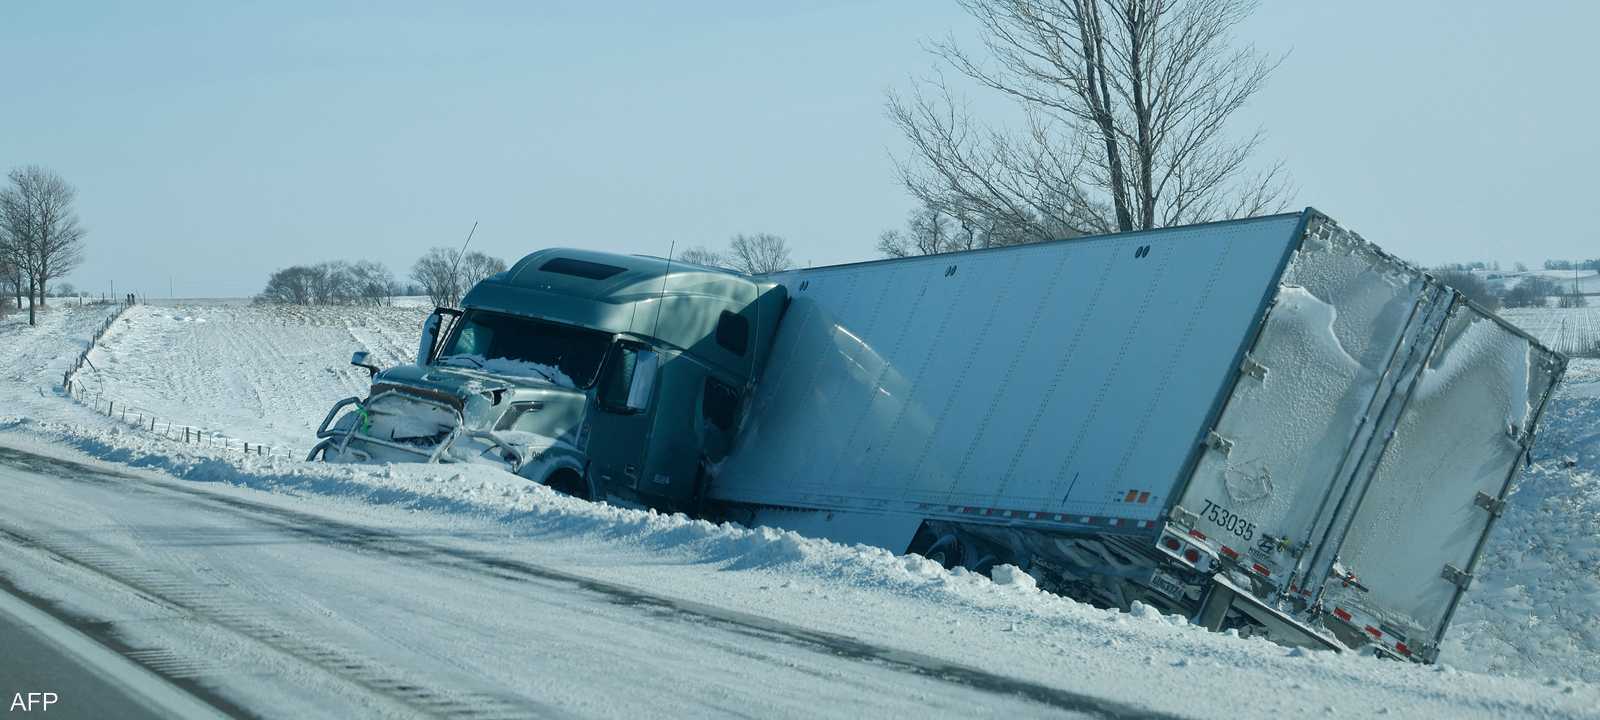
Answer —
287 612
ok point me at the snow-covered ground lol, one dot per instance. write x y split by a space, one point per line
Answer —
1525 643
1575 331
266 374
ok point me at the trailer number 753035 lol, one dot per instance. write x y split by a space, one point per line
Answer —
1229 520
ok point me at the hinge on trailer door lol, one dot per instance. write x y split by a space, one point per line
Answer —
1494 505
1253 368
1219 443
1519 436
1456 576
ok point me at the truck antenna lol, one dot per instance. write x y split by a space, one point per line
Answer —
464 245
662 299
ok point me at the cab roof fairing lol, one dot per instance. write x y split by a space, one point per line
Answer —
677 304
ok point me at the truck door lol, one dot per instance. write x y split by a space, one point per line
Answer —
620 431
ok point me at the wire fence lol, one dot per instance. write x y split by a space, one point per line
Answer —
83 357
73 387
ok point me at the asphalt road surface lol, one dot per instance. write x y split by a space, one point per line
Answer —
259 605
50 669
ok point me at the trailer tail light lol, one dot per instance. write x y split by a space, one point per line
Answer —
1401 648
1341 614
1171 543
1192 555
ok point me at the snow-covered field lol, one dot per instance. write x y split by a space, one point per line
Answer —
266 374
1526 642
1574 331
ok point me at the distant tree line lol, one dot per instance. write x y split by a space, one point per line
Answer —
364 282
41 239
438 274
1486 284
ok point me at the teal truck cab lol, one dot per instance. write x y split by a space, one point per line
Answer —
556 369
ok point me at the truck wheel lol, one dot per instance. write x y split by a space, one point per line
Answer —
568 482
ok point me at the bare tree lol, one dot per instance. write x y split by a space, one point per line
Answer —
290 286
1126 103
701 255
435 272
42 232
10 275
759 253
1471 285
476 267
445 280
373 283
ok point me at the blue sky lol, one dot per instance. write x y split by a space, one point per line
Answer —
213 143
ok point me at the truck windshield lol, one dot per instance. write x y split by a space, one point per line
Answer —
507 344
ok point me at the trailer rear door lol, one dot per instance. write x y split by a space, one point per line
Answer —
1329 356
1418 531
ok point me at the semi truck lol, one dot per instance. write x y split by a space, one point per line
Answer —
1269 425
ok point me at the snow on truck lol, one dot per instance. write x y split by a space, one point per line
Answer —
1267 425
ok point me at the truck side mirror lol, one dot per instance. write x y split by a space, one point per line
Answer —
432 329
359 359
629 379
430 337
644 380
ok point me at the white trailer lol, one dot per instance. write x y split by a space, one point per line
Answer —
1269 424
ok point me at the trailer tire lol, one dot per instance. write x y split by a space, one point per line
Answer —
951 550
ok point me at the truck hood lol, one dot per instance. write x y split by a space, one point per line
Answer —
421 401
463 383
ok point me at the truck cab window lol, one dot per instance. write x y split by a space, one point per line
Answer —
518 345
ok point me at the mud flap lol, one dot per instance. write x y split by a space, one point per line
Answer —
1224 595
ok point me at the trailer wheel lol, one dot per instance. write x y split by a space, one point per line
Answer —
941 547
950 550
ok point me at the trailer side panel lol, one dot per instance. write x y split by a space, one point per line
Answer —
1061 383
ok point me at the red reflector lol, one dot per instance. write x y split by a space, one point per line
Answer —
1258 567
1171 543
1144 497
1402 649
1198 534
1341 614
1230 552
1192 555
1374 632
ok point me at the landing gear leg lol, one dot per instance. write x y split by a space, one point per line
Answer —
1214 609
